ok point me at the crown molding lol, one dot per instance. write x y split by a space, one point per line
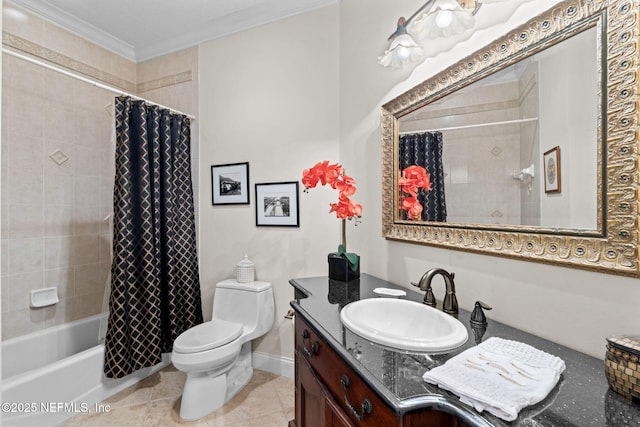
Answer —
226 25
215 28
59 17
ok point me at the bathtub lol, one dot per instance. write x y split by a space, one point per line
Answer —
54 374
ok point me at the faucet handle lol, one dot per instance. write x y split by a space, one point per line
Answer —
477 316
429 298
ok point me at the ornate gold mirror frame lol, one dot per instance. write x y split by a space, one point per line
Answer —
613 248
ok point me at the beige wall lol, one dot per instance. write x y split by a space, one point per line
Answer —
53 227
573 307
269 96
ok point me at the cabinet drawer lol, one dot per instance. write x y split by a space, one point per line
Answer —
349 391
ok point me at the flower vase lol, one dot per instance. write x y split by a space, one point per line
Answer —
339 268
343 293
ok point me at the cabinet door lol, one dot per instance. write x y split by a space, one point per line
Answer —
314 405
310 406
334 416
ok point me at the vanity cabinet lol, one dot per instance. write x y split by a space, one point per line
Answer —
330 393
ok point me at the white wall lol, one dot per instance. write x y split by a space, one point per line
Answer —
269 96
573 307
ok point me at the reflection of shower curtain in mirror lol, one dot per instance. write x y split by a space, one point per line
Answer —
155 289
425 149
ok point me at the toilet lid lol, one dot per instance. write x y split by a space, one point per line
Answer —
206 336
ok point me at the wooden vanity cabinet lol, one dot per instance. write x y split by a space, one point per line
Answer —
330 393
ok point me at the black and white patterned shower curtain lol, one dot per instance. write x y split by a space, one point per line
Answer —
155 287
425 149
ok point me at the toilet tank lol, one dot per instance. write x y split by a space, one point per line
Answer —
250 304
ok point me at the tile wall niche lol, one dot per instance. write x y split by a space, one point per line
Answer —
58 168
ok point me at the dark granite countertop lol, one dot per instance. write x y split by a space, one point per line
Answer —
581 398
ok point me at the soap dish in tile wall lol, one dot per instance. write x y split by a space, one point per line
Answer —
622 366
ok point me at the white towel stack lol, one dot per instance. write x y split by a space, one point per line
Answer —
499 376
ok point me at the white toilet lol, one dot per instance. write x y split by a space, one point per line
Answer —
216 355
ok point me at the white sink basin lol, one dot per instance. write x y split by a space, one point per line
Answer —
404 325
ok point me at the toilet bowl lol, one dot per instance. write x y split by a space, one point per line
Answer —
216 355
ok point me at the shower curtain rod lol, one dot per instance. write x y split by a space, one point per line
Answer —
88 80
478 125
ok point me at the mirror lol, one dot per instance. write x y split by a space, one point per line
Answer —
530 144
496 130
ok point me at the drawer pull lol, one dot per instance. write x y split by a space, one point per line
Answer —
314 346
366 406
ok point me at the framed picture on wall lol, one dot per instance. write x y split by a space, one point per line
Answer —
277 204
552 171
230 184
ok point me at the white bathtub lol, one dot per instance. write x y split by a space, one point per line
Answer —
54 374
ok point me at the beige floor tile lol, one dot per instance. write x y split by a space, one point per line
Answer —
166 413
277 419
267 401
128 416
171 384
134 395
285 389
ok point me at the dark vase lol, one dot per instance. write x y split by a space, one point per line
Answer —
343 293
339 268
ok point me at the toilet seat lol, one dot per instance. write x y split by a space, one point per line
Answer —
207 336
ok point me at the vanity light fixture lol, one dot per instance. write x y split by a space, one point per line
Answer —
402 48
435 19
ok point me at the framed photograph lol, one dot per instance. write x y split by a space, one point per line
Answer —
230 184
552 171
277 204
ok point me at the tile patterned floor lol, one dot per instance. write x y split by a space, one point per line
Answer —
267 401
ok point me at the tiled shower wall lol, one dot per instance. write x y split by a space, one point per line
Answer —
478 161
58 168
58 186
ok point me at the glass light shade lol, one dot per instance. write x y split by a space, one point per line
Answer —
445 18
402 49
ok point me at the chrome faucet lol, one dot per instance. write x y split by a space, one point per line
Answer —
450 303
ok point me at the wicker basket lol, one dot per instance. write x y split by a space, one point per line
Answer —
622 366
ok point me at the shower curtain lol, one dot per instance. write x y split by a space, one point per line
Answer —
155 289
425 149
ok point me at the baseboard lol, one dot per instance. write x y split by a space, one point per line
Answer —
278 365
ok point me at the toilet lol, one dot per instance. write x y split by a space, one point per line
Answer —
216 355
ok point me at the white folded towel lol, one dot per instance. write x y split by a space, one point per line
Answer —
499 376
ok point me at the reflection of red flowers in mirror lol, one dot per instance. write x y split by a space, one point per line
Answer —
334 176
413 179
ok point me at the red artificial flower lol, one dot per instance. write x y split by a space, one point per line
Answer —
334 176
418 177
345 208
412 206
411 181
